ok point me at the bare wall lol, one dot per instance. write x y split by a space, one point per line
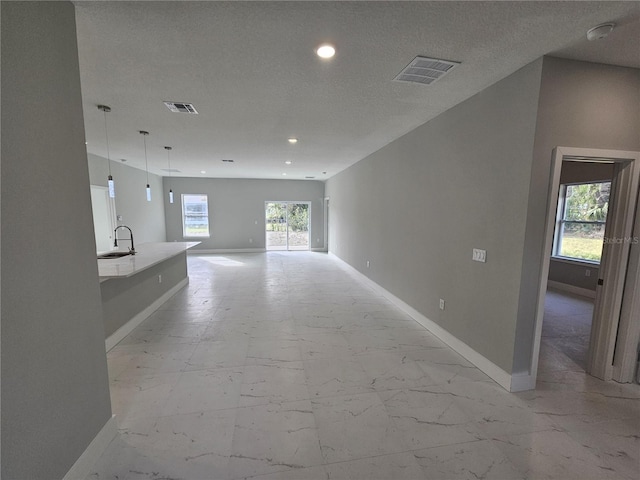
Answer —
574 273
146 219
581 105
236 209
416 208
55 391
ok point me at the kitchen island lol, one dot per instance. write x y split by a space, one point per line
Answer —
134 286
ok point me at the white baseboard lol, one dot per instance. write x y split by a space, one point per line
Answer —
214 251
502 378
565 287
208 251
93 452
128 327
522 381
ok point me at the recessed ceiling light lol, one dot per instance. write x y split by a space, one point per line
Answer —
288 162
326 51
284 174
293 140
203 171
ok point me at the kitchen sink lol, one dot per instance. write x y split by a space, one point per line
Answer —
103 256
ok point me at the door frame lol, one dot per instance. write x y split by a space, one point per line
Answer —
614 262
625 358
111 207
326 222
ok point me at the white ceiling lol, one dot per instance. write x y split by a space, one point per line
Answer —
250 70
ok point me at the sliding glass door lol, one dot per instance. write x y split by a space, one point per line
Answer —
287 225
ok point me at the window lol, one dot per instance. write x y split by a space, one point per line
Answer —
581 219
195 215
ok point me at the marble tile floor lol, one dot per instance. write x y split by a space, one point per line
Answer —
282 366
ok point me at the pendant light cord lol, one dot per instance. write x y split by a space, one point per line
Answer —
168 149
146 163
106 134
169 159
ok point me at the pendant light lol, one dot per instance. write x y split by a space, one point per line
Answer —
168 149
112 189
146 163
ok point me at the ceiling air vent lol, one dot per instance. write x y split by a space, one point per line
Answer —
425 70
178 107
227 160
170 170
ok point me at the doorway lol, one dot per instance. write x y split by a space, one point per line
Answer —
326 224
581 217
611 276
287 225
103 208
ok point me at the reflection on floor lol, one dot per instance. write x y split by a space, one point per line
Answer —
565 332
282 366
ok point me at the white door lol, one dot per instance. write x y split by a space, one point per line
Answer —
326 224
103 224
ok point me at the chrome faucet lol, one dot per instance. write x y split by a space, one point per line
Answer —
132 250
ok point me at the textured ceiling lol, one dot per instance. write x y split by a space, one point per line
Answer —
250 70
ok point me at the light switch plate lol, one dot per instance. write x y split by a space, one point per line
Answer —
479 255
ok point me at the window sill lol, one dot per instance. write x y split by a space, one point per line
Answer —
200 237
575 261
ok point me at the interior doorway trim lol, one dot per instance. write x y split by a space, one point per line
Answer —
326 223
625 358
615 256
104 216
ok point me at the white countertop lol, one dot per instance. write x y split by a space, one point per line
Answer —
147 255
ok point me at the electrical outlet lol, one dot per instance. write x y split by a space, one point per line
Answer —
441 304
368 264
479 255
587 273
159 278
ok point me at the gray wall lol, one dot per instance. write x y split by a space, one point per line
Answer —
236 209
581 105
55 392
146 219
124 298
576 172
416 208
574 274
